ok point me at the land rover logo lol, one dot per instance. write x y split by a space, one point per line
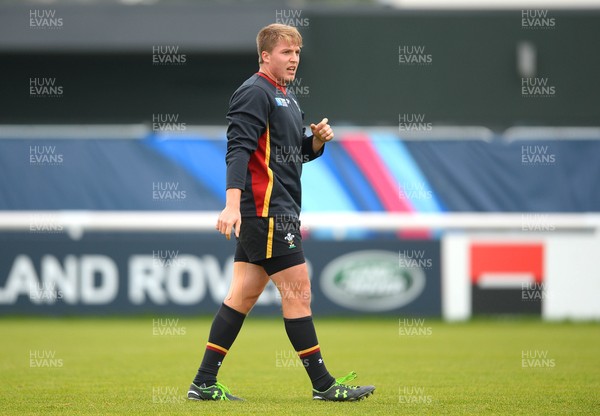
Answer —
371 280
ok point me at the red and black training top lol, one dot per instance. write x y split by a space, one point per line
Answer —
266 146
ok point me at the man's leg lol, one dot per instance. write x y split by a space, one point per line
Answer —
294 287
249 281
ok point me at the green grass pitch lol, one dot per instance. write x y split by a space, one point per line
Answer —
141 366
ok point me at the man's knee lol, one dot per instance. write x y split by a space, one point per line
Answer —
250 300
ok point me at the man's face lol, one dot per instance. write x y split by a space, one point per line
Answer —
282 62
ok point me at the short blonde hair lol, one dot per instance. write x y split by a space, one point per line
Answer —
268 37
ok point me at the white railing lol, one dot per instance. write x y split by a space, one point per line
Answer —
77 222
217 132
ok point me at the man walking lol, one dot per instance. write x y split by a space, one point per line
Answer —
262 208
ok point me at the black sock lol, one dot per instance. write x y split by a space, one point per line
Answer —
225 328
301 332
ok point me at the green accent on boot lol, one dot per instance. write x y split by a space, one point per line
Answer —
215 391
343 380
342 392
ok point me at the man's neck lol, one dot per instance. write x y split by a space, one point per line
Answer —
268 73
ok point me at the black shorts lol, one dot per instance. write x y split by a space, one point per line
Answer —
272 242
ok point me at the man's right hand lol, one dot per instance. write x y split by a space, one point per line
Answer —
230 218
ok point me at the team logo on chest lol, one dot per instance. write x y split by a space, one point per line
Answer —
282 102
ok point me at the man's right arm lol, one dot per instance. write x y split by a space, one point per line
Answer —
248 117
248 114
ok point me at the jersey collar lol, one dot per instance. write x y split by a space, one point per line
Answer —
276 85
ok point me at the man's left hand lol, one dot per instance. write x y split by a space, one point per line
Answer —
322 131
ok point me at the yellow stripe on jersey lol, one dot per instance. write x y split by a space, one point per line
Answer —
265 212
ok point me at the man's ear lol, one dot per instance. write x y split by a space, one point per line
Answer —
266 56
